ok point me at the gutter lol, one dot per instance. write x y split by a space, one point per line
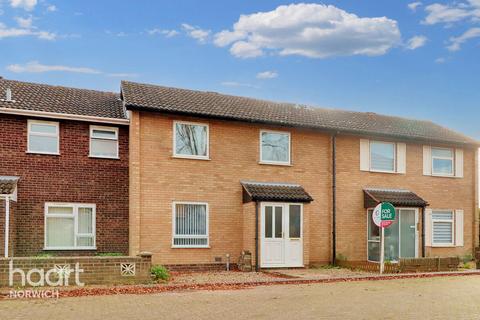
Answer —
65 116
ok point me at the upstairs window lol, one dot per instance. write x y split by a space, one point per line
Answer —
43 137
190 140
442 161
103 142
275 147
382 156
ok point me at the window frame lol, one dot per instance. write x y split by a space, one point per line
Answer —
278 163
452 174
186 156
207 224
57 135
394 156
104 128
75 207
451 221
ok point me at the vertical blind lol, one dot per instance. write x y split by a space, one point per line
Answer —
191 225
70 227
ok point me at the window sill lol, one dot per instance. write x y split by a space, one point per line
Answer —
70 249
190 247
100 157
192 158
380 171
43 153
275 164
443 246
445 176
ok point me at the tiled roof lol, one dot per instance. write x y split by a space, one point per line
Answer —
397 197
259 191
210 104
56 99
7 184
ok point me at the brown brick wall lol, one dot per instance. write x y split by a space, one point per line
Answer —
70 177
157 179
96 270
439 192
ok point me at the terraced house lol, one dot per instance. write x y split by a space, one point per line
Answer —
212 175
63 171
196 178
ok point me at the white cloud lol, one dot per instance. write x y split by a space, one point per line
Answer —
416 42
194 32
24 22
36 67
456 42
414 5
165 32
444 13
267 75
28 5
6 32
238 84
440 60
311 30
52 8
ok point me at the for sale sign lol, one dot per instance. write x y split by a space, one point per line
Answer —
384 215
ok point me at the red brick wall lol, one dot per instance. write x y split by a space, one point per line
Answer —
70 177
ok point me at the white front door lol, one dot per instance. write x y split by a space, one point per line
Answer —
281 235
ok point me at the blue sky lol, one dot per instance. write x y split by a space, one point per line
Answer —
407 58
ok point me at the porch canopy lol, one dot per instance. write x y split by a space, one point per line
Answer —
397 197
8 185
276 192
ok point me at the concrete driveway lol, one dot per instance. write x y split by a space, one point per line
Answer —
432 298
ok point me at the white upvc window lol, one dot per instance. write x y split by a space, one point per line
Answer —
190 225
442 228
43 137
382 156
104 142
191 140
275 147
442 161
69 226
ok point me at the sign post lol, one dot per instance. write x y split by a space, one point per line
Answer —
383 216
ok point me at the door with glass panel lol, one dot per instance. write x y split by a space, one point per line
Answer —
281 235
401 238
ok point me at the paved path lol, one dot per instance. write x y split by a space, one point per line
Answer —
433 298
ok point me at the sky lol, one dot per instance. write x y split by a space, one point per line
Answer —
406 58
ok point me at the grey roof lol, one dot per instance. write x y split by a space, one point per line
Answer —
397 197
57 99
8 184
261 191
214 105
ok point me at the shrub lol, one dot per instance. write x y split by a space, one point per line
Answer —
109 254
160 272
44 255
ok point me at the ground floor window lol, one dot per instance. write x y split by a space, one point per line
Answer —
69 226
442 227
190 225
400 237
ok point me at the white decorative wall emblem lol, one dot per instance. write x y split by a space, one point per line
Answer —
127 269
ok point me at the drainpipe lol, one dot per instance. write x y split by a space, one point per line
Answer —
334 199
256 235
423 231
7 224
